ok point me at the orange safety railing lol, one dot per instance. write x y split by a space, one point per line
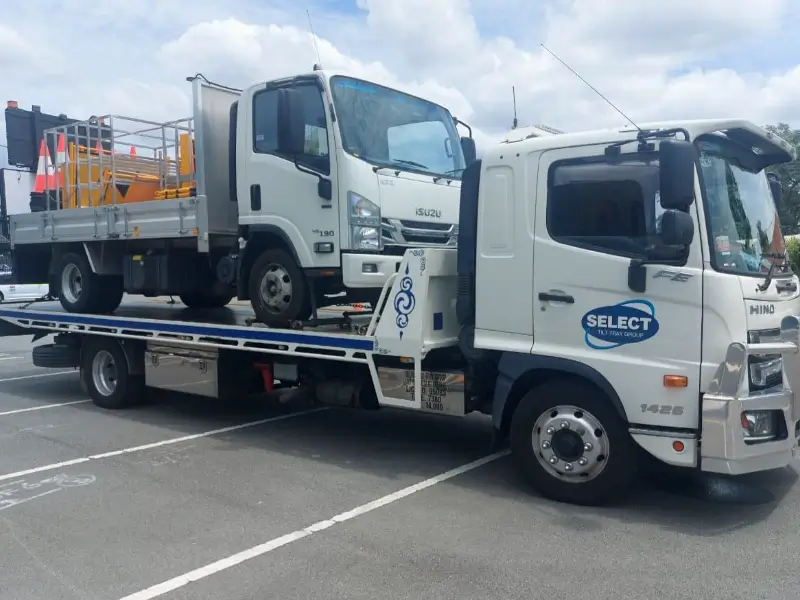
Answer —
118 160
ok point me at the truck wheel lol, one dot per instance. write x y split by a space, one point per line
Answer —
569 441
104 373
110 296
206 300
278 289
56 356
77 284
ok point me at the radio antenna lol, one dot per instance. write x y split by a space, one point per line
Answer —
514 100
591 87
314 38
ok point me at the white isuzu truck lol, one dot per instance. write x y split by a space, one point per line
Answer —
289 194
614 295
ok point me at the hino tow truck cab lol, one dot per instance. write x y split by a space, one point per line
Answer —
293 194
615 295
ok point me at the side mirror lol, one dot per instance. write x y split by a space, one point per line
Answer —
776 189
469 150
291 122
677 228
677 159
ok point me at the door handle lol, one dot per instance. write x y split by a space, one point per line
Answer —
548 297
255 197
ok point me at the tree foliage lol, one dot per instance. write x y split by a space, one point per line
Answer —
789 175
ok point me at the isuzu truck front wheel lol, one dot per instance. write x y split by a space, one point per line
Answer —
278 289
571 443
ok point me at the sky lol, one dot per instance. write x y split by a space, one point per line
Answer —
655 59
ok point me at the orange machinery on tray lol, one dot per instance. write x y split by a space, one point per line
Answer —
157 163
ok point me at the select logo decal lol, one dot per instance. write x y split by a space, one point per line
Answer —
613 326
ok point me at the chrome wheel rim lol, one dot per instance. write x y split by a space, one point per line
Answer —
104 373
71 283
570 443
276 289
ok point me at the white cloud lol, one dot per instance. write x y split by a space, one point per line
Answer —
656 59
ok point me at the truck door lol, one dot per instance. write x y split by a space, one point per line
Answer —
592 215
274 194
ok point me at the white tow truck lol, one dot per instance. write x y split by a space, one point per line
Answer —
289 194
614 295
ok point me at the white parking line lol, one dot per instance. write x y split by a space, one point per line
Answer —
178 440
226 563
42 407
37 375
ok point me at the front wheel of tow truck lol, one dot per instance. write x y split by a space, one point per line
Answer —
105 375
278 289
572 445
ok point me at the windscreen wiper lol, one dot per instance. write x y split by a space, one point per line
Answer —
768 279
409 162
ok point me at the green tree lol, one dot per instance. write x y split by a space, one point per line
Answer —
789 175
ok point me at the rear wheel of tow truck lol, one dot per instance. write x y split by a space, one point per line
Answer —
278 289
199 300
105 376
77 285
572 445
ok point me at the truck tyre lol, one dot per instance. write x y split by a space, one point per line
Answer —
104 374
200 300
77 285
56 356
110 295
278 289
571 444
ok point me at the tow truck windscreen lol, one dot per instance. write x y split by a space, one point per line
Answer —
388 128
745 230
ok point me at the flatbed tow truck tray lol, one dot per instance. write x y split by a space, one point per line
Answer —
221 327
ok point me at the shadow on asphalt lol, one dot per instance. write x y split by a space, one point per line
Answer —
390 443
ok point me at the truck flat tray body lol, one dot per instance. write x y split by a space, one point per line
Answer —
418 318
93 211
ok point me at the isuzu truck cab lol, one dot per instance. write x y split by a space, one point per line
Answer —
294 194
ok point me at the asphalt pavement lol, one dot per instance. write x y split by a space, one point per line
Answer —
186 498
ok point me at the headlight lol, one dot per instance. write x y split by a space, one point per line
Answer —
365 238
365 223
760 425
766 370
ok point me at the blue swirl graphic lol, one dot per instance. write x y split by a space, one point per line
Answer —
404 302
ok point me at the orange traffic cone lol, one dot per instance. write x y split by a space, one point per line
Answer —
45 178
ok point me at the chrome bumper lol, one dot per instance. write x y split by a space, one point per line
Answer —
723 448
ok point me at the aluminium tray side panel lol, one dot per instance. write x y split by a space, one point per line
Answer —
173 218
219 213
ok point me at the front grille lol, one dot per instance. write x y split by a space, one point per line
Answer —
764 336
426 226
402 233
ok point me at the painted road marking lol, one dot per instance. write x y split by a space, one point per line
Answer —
167 442
226 563
38 375
22 410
